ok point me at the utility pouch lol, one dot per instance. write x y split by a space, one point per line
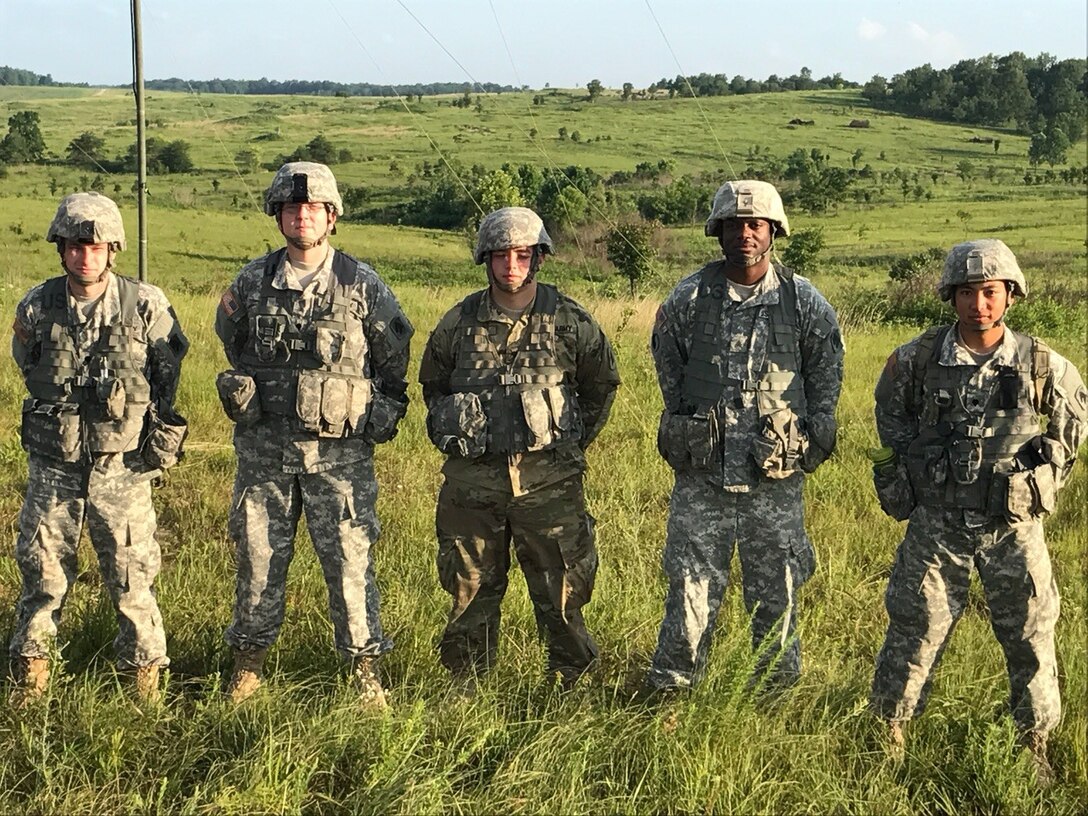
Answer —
702 438
457 425
111 394
385 413
359 405
308 400
238 393
893 491
328 346
52 430
780 446
166 434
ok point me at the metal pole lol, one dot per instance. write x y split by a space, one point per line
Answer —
141 140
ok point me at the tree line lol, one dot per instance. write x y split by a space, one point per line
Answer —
263 86
20 76
705 84
1040 95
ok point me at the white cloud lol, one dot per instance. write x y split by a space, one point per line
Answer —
869 30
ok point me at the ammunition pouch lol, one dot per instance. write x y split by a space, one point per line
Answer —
780 445
893 491
385 413
1031 491
238 393
332 406
457 425
549 416
111 395
166 432
52 429
688 442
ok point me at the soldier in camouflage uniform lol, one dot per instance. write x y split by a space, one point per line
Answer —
749 360
518 380
318 346
101 356
969 464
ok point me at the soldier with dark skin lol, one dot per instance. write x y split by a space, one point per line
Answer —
101 356
968 462
749 359
518 380
319 348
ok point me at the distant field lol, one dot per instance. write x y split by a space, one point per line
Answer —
302 745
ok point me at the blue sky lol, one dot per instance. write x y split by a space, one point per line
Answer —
562 42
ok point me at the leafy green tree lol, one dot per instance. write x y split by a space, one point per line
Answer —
803 250
628 91
246 161
23 142
1049 145
498 189
86 150
594 87
631 250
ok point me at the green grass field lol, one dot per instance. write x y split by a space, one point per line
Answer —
302 745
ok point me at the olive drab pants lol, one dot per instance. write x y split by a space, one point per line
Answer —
113 497
927 595
343 525
553 538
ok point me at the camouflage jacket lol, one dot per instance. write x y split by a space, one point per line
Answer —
275 441
96 375
583 353
919 403
744 332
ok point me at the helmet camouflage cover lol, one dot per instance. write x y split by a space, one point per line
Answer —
511 227
90 218
298 182
985 259
746 199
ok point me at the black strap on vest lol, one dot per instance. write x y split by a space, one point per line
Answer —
344 266
55 296
547 300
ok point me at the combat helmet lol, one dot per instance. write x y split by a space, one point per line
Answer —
981 260
511 227
90 218
746 199
302 181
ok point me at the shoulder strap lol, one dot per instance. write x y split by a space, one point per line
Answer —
345 268
55 298
929 346
547 298
471 304
788 288
1040 371
128 292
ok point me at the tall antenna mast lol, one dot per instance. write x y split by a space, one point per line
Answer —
141 139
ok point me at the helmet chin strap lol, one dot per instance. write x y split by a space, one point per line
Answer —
534 266
744 260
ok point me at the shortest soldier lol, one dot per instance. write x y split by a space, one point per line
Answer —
518 380
101 356
969 460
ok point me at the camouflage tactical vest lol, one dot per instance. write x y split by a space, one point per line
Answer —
96 404
315 371
715 368
523 392
957 453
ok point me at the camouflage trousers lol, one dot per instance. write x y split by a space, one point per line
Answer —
776 557
927 594
343 525
553 539
113 498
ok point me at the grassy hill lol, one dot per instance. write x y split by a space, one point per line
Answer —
302 745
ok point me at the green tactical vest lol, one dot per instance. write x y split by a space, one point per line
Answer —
96 404
523 393
714 369
317 374
953 461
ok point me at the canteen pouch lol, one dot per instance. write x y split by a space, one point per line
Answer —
457 425
166 432
52 430
385 413
238 393
1030 494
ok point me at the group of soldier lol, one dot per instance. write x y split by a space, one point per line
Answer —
980 427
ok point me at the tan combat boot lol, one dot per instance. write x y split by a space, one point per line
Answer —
1035 742
364 674
247 675
146 684
31 679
